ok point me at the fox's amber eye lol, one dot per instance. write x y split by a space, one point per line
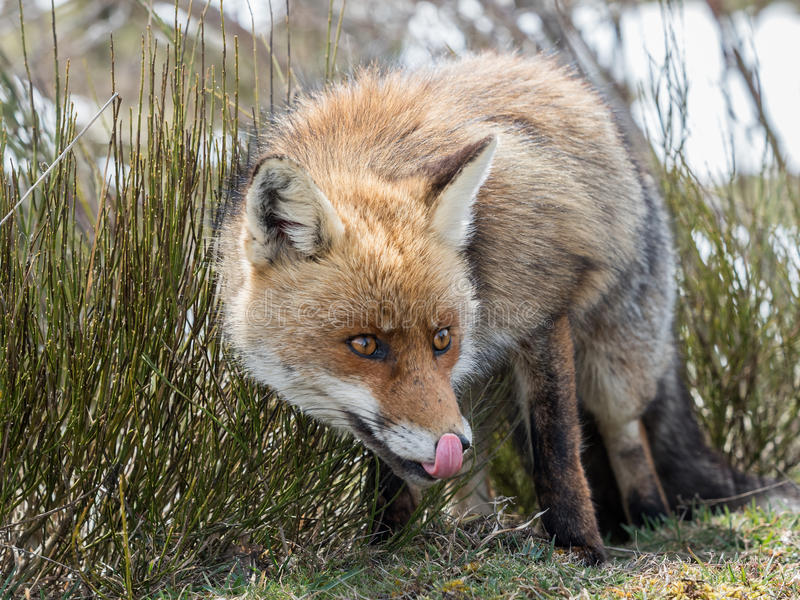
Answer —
365 345
441 340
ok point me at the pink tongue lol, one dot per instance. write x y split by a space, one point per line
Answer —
449 455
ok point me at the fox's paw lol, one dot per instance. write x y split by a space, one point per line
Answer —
591 556
578 535
647 505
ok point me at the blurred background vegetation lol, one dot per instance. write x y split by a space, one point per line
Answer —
135 456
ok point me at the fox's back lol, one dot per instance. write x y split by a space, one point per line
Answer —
564 209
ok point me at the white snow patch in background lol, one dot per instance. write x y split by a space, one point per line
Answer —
722 132
430 31
530 24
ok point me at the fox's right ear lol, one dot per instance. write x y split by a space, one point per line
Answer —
457 178
286 213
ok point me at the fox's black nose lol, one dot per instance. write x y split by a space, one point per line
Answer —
465 443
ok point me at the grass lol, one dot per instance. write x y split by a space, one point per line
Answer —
137 460
750 554
134 453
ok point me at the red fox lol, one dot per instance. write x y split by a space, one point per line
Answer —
408 234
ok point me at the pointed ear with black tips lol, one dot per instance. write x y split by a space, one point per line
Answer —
456 179
286 214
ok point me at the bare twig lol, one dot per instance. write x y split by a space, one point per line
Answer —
747 494
732 47
37 555
338 33
328 43
289 57
521 527
271 62
59 158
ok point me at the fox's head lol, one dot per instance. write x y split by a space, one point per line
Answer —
354 300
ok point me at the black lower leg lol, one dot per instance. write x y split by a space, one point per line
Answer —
546 375
394 502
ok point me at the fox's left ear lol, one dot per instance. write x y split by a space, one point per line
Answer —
286 214
457 178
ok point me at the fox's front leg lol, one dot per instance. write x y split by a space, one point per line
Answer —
550 435
395 500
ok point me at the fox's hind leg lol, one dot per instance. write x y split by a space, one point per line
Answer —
617 385
632 462
549 438
602 482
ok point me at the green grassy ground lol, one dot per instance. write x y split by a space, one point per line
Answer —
749 554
